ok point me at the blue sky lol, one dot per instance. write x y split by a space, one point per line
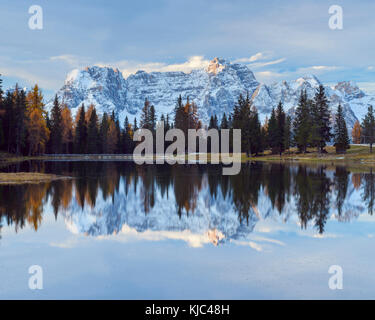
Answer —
278 39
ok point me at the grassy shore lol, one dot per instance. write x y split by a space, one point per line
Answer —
27 177
357 154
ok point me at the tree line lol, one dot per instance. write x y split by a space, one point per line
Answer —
27 129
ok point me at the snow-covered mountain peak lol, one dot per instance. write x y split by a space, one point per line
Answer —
216 65
214 89
349 89
307 81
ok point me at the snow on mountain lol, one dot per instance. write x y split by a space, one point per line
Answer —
214 219
214 89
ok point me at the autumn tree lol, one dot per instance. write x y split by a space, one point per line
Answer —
356 133
38 133
67 129
112 137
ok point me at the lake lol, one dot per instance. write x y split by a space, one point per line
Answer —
121 231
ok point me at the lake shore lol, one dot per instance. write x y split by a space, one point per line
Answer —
27 177
357 154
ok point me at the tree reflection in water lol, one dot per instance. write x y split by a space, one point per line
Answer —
314 190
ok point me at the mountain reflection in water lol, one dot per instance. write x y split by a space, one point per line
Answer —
194 203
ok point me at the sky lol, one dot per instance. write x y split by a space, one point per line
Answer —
278 40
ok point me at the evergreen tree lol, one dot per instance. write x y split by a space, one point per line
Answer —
118 138
8 121
56 127
280 132
368 127
2 138
341 138
80 138
272 132
152 119
241 120
321 119
127 137
93 133
103 133
20 109
302 123
167 124
224 122
288 132
146 116
255 132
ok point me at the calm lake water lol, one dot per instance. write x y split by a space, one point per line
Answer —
117 230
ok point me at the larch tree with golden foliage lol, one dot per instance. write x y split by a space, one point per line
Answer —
67 129
38 133
356 133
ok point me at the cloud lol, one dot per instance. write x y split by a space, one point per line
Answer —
256 57
71 60
269 76
317 69
268 63
131 67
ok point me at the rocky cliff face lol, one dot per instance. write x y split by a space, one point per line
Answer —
214 89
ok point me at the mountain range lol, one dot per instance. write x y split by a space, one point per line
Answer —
214 89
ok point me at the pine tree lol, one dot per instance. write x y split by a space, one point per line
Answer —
280 135
321 119
56 127
93 133
2 111
255 132
241 120
145 116
152 119
368 127
341 138
302 123
20 109
356 133
224 122
272 132
80 138
288 132
103 133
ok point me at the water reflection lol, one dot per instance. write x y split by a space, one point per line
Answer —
192 202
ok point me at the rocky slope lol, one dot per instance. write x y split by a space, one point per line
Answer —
214 89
